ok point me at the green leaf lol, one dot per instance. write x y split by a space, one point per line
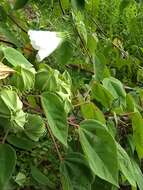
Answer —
137 124
75 173
64 53
102 95
138 174
130 104
41 178
78 4
20 179
92 41
20 4
34 127
90 111
100 150
124 4
11 113
126 166
111 125
80 25
100 184
116 89
7 164
3 15
99 66
65 4
47 79
56 116
15 58
8 34
23 78
21 142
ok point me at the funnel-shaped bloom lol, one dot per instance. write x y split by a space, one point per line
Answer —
45 42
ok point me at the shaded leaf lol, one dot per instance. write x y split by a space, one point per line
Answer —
20 4
64 53
3 15
41 178
75 173
7 164
78 4
116 88
100 184
8 34
21 142
100 150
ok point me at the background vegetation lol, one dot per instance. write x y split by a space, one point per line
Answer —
73 121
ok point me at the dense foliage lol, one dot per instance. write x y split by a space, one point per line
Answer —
75 120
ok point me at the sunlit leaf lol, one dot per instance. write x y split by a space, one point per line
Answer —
56 116
23 78
11 113
137 124
126 166
90 111
34 127
15 58
138 174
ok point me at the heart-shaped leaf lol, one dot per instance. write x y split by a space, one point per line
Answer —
56 116
100 150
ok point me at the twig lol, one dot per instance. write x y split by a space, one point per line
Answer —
37 110
99 27
55 144
60 3
5 136
5 41
17 24
80 68
73 124
80 104
83 44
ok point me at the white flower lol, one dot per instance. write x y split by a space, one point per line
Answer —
45 42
